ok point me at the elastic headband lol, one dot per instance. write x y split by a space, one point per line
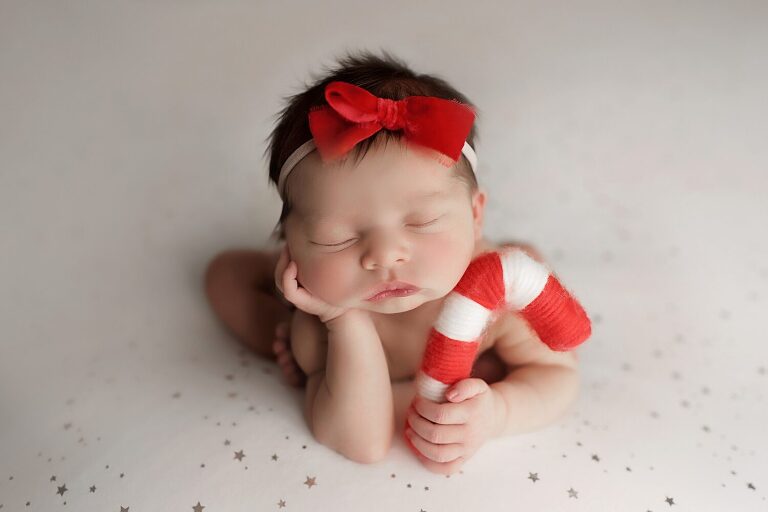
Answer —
310 146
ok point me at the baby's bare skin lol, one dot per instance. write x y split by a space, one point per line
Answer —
231 299
532 385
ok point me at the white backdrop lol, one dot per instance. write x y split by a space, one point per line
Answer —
626 142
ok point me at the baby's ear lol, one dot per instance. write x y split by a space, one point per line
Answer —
478 211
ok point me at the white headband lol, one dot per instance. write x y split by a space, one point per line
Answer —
309 146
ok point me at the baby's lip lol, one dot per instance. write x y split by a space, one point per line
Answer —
391 285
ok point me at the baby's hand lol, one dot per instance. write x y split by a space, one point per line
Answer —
285 280
446 435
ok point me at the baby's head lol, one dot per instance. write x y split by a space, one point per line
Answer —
385 211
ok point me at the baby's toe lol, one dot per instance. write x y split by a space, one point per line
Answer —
279 346
281 330
295 376
285 358
291 372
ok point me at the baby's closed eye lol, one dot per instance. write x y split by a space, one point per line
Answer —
424 224
417 225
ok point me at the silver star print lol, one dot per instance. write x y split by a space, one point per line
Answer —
281 503
124 509
533 477
572 493
274 456
62 489
239 455
198 507
310 481
93 488
670 501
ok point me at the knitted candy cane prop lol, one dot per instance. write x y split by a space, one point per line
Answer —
508 279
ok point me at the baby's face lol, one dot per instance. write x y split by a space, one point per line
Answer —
396 215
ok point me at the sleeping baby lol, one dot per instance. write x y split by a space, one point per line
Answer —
377 227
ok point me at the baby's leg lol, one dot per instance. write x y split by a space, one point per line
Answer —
239 285
292 372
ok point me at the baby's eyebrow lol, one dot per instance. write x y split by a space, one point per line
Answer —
428 195
312 217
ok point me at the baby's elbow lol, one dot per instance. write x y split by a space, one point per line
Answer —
356 450
368 455
363 453
571 388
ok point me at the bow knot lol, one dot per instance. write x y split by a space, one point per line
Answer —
354 114
391 113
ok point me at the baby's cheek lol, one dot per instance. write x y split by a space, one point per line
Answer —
444 259
331 278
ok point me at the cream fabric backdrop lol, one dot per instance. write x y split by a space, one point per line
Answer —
627 142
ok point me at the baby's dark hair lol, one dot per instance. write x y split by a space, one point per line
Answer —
384 76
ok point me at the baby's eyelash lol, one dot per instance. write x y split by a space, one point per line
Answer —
334 245
345 241
425 224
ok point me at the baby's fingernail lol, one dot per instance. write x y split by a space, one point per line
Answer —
452 394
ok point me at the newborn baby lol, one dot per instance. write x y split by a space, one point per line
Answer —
374 242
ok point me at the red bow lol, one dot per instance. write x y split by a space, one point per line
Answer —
354 114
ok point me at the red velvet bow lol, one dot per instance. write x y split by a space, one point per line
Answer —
354 114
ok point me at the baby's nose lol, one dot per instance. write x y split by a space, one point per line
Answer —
385 252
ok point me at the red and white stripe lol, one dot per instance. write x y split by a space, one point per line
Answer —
508 279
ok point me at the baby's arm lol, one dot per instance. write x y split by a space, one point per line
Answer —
541 383
349 405
349 399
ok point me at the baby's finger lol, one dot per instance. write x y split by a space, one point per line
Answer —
282 262
435 452
442 468
434 432
289 282
295 293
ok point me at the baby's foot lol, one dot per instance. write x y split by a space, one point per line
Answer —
293 375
